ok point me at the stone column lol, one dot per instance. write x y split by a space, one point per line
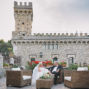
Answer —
2 72
1 61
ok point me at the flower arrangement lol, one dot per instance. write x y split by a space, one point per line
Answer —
46 76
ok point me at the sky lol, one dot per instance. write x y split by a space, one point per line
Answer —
49 16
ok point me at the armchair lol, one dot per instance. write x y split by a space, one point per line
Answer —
18 78
76 79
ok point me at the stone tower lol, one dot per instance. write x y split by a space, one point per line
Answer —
23 14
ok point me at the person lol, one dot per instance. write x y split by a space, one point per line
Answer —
55 69
11 61
38 71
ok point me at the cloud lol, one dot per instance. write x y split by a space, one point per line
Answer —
62 16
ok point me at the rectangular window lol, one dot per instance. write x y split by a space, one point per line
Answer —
52 46
41 54
32 59
48 46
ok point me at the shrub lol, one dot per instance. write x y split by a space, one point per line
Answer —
73 67
5 65
15 66
30 65
88 67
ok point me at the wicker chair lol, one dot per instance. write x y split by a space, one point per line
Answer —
60 78
15 78
76 79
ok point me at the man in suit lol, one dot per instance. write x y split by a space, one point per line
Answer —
55 69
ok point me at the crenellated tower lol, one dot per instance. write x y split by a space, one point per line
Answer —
23 14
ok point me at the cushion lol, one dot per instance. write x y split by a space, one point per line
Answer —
82 69
25 77
67 78
16 69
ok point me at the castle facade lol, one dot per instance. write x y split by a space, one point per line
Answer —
71 48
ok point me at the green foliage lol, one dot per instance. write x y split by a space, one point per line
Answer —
15 66
5 48
73 67
30 65
88 67
5 65
63 62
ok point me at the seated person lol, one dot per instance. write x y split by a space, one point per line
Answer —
38 71
55 69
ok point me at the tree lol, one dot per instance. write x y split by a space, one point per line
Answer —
6 48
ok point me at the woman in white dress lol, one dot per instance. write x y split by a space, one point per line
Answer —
38 71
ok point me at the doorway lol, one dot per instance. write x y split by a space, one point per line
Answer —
71 59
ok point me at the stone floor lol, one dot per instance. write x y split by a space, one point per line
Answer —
59 86
3 83
3 86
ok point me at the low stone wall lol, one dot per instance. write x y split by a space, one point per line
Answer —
1 61
2 72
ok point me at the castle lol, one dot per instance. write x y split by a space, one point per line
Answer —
71 48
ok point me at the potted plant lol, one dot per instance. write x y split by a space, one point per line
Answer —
5 65
63 63
31 65
48 63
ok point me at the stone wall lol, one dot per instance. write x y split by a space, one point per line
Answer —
80 52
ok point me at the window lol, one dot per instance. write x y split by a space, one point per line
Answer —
32 59
22 23
52 46
41 54
45 46
55 59
56 46
48 46
23 34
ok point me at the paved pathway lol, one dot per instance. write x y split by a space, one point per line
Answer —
58 86
3 86
2 83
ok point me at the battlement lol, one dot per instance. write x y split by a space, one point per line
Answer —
23 5
62 34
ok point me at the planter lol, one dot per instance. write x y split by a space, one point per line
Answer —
63 65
